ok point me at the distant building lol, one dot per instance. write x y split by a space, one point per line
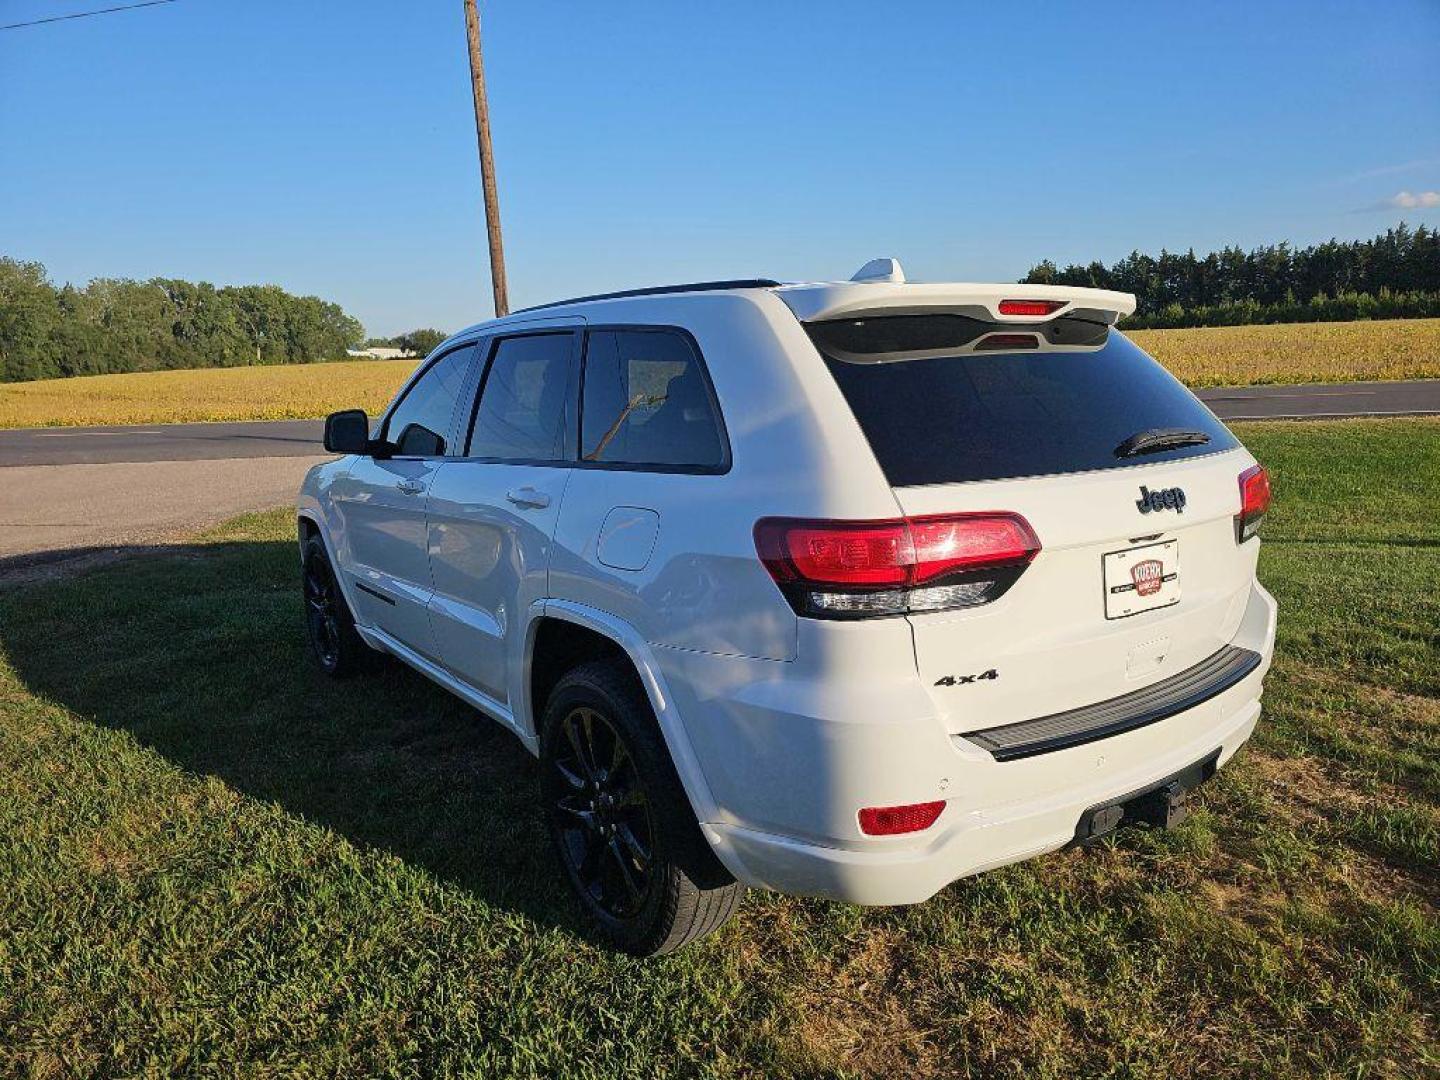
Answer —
378 352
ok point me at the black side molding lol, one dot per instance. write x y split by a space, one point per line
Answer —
373 592
1075 727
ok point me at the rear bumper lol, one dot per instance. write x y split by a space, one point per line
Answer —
997 812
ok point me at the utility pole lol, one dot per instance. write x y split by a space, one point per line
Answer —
487 162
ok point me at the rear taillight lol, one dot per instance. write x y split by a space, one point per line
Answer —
858 569
892 820
1030 307
1254 501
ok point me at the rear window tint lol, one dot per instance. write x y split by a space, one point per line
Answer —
647 403
936 412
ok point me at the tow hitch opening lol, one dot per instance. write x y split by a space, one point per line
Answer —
1161 805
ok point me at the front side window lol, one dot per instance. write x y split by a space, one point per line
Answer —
527 402
647 402
420 423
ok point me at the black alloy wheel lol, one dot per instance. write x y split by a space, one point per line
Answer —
322 602
602 815
626 836
329 625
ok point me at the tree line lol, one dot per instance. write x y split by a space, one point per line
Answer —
120 325
1395 275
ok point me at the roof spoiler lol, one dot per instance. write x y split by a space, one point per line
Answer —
1017 304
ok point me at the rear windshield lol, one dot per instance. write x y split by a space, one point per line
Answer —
1063 397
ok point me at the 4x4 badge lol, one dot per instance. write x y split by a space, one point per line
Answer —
961 680
1161 499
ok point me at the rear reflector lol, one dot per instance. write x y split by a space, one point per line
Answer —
892 820
1254 501
1030 307
853 569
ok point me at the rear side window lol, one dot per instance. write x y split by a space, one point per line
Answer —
420 423
527 402
648 402
1060 399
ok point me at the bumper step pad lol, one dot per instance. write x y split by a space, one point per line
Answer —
1159 701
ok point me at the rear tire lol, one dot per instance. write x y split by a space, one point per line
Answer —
335 645
621 825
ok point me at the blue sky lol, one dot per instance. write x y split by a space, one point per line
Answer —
330 147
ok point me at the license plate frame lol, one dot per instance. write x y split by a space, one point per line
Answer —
1122 586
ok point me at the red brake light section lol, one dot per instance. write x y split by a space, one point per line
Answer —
945 545
893 820
834 553
1254 501
1030 307
853 569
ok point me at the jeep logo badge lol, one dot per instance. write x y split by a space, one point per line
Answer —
1166 499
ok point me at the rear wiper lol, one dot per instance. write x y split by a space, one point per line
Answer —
1153 440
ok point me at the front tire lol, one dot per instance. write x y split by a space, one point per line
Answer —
335 644
625 834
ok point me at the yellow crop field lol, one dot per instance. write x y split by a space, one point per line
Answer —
1211 356
1298 352
281 392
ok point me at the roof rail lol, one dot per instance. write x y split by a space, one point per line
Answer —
658 290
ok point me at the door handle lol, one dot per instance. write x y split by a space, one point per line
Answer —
410 487
528 496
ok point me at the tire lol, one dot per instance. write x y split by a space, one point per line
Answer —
335 645
619 820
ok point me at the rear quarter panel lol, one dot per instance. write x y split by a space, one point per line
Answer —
795 450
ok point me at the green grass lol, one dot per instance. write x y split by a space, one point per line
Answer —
215 862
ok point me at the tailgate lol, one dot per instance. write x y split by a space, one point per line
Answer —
1093 617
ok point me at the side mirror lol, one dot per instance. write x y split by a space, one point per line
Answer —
347 432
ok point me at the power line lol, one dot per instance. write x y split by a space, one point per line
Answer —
86 14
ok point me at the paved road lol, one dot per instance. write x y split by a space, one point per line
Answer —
159 442
296 438
1419 397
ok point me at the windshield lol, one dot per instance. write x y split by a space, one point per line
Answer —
944 399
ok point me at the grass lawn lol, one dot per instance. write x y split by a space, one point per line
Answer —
1216 356
213 861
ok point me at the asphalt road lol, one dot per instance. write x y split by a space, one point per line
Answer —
300 438
1416 398
159 442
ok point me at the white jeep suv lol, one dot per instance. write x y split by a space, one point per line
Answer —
845 589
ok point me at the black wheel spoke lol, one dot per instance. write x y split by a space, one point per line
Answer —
632 842
577 741
570 776
622 863
579 811
619 758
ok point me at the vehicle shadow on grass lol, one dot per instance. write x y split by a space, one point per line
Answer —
200 654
